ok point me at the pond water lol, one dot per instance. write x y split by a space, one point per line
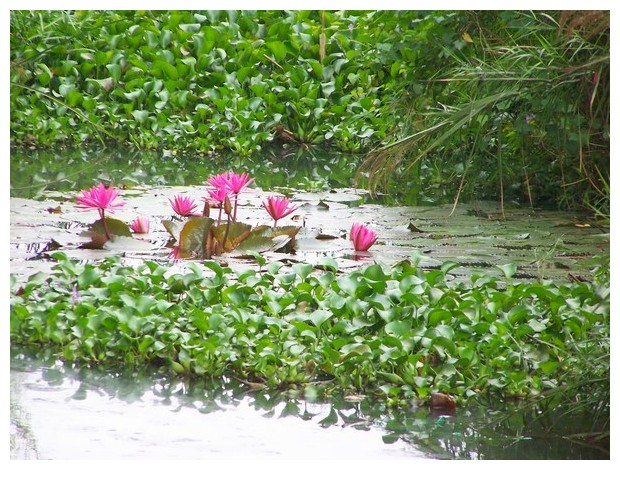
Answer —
63 413
58 412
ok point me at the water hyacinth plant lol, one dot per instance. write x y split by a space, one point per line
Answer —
362 237
278 207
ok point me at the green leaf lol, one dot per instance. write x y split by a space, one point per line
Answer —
327 263
374 273
330 419
443 331
356 349
88 277
140 115
115 71
536 325
194 235
162 69
302 269
319 316
392 377
398 328
278 49
509 269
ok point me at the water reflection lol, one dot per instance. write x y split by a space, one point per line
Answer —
34 172
61 412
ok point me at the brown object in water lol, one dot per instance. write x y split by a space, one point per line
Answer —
442 401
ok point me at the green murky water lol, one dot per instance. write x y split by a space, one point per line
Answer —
213 419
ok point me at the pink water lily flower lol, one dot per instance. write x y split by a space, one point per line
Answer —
182 205
234 183
219 181
278 207
217 196
237 182
101 198
140 225
362 237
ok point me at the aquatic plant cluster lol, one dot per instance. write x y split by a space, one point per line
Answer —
201 236
398 333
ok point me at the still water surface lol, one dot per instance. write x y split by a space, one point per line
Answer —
63 413
57 415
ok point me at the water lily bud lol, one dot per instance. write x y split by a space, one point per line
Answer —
227 206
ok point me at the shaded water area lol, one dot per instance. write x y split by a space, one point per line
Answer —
61 412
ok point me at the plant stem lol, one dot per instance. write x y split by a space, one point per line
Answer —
234 217
226 234
105 225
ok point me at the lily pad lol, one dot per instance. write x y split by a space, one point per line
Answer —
230 235
124 244
173 228
194 235
263 238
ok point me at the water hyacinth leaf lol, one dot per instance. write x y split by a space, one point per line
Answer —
355 349
447 266
392 377
319 316
278 49
161 68
442 331
330 419
375 274
536 325
327 263
88 277
398 328
302 269
509 269
140 115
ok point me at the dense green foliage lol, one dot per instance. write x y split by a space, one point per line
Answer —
524 111
401 333
467 104
210 80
